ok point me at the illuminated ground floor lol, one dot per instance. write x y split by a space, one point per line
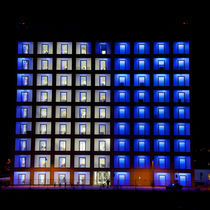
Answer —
122 178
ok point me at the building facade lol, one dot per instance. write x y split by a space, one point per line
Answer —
92 112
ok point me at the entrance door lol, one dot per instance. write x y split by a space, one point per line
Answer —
162 180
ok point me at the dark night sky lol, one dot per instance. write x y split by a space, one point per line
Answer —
123 27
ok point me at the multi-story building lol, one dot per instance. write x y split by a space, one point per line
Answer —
88 112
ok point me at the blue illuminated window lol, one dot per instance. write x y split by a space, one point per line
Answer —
141 161
121 161
161 96
162 179
122 145
181 80
181 96
141 48
181 145
25 47
121 112
121 178
122 64
141 96
141 79
141 145
181 63
161 63
25 63
141 112
181 129
181 47
161 129
162 145
122 80
121 128
141 128
161 79
103 48
182 162
181 112
161 162
161 112
183 179
161 48
122 48
121 95
141 63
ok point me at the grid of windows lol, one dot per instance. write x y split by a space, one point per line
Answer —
95 116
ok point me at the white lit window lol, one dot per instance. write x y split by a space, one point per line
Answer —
62 162
63 128
22 162
21 178
43 113
64 64
25 64
102 97
43 145
102 162
24 96
63 112
83 96
62 145
63 96
43 128
45 48
83 113
83 48
44 80
64 48
24 112
25 80
82 162
102 65
102 113
44 64
23 145
83 80
25 48
83 65
82 129
102 146
102 129
23 128
42 179
42 162
64 80
44 96
82 145
102 80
